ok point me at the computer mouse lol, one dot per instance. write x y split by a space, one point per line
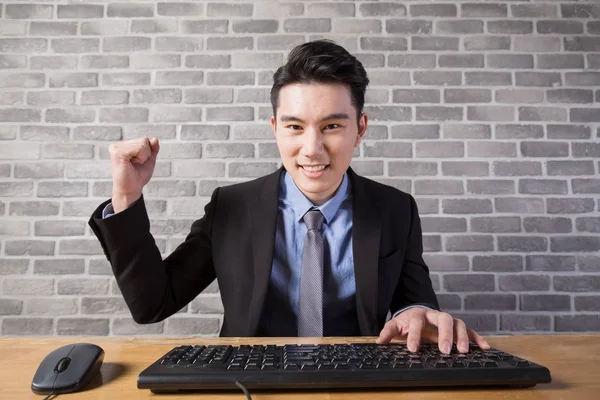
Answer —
68 369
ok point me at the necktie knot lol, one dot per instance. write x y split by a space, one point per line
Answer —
314 220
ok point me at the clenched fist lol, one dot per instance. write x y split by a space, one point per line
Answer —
132 164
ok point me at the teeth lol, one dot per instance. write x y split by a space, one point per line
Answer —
315 168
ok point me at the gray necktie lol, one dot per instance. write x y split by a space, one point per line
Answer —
310 308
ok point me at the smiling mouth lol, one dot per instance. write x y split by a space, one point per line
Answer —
314 168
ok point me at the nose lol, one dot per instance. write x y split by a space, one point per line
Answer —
313 143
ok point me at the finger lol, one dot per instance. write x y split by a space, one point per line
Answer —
480 341
461 335
392 328
445 325
141 152
415 326
154 148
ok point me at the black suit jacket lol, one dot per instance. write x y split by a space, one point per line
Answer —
233 242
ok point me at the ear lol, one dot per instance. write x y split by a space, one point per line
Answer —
273 124
362 128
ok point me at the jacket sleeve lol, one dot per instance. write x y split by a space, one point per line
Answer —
414 286
153 288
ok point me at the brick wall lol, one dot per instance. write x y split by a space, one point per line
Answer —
486 111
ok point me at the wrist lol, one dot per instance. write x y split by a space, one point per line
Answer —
122 201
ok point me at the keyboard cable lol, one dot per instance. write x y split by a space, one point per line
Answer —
50 396
246 392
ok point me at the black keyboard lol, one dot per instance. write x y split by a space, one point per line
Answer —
359 365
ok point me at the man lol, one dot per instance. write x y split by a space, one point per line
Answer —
310 250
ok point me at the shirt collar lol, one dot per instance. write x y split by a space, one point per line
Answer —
292 196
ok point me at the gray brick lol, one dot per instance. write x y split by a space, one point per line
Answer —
75 45
504 263
22 80
403 185
126 326
584 115
479 322
517 168
593 27
5 170
251 170
11 99
432 243
527 323
543 186
29 247
368 168
28 11
389 78
52 28
357 26
414 61
412 96
445 262
105 28
308 25
570 205
496 224
130 10
73 286
580 10
510 61
549 263
33 208
112 61
411 131
559 27
205 132
179 78
62 189
525 205
571 167
154 26
159 131
514 131
488 302
207 305
525 244
577 323
126 43
68 151
229 10
524 282
183 9
587 303
437 78
14 228
195 44
487 78
469 243
28 287
467 131
547 225
259 95
388 149
534 10
467 95
439 113
82 326
459 26
10 307
586 185
388 113
559 61
230 113
125 114
433 10
229 43
13 266
200 169
192 326
13 28
581 43
574 243
44 133
16 189
75 80
434 43
411 168
51 306
237 78
491 149
545 302
588 224
59 98
510 27
538 44
229 150
466 206
580 96
157 96
428 205
427 187
13 45
586 283
103 305
443 224
483 10
70 115
19 151
574 132
469 282
545 149
104 97
58 266
491 186
155 61
19 326
204 26
80 11
384 43
109 133
386 9
259 60
19 115
481 42
439 149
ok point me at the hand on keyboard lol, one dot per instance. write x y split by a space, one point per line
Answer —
419 323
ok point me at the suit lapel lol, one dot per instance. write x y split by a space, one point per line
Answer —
263 213
366 230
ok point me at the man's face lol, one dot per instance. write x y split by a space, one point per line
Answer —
316 133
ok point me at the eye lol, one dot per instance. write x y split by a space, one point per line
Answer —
294 127
332 126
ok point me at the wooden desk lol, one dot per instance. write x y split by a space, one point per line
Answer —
573 360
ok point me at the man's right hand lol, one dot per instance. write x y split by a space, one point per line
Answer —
132 164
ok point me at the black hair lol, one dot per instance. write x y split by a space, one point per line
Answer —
322 61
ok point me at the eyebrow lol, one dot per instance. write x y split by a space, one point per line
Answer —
288 118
